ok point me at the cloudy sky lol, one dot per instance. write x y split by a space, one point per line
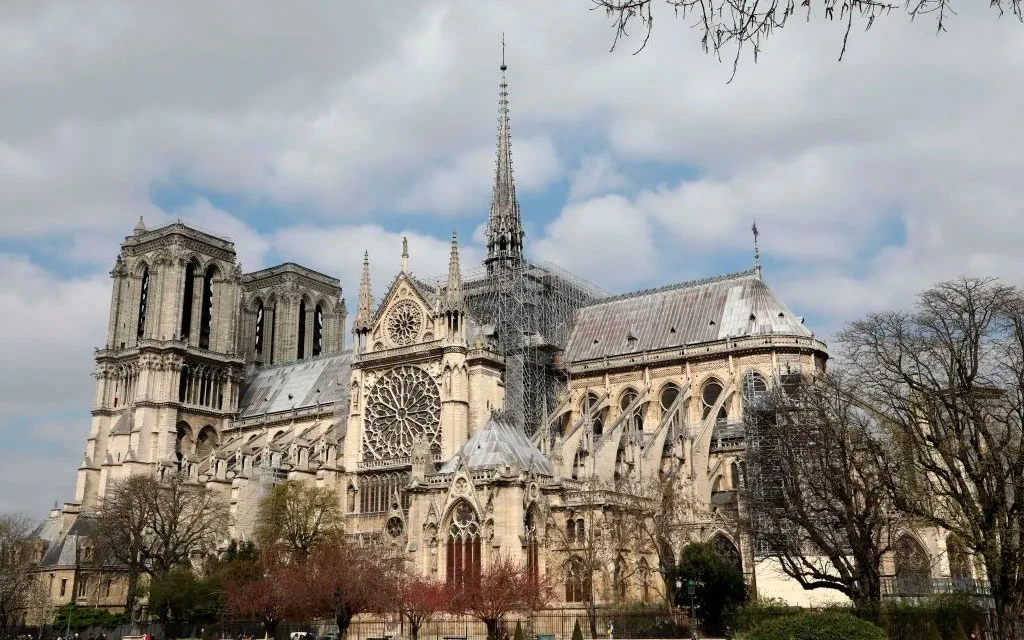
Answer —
311 132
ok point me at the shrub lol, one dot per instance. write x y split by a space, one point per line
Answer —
822 626
519 635
577 633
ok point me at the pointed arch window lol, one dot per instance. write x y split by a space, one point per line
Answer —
143 302
577 580
619 578
463 562
959 563
183 441
206 315
186 302
725 548
318 331
532 547
590 403
300 349
709 397
260 321
913 570
643 570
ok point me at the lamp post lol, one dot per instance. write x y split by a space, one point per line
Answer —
691 588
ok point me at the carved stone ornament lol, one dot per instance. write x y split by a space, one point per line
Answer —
404 322
404 405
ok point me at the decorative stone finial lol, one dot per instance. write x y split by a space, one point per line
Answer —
405 255
140 227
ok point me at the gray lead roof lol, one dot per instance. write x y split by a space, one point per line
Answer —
499 443
708 310
268 389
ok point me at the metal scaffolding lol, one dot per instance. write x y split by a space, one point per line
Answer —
769 434
529 308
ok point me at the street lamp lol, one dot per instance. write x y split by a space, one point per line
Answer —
691 588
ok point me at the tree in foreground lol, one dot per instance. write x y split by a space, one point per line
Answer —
298 516
254 589
719 585
419 600
184 597
15 581
503 587
816 481
745 24
149 526
340 580
946 381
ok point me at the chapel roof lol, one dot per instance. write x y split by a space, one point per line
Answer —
268 390
500 443
733 305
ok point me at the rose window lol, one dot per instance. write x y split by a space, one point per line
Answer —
403 406
404 322
394 527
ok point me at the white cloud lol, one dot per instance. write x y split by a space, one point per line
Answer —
596 175
467 182
605 240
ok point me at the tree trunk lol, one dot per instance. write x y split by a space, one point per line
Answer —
592 618
492 629
343 618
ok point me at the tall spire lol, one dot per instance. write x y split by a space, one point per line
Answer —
757 251
364 314
504 223
453 290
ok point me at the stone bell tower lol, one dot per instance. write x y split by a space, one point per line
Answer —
168 377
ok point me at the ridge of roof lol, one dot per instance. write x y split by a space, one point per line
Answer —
686 284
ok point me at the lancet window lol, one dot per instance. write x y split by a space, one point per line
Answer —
709 397
577 580
203 386
463 562
300 348
377 489
186 302
260 322
590 403
124 382
206 315
143 301
636 418
318 331
532 546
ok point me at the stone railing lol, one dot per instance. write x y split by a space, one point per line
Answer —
718 347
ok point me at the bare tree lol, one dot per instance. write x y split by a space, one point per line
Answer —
298 516
741 25
815 492
947 381
15 581
145 526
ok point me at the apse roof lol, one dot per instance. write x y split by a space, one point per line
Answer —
268 390
499 443
733 305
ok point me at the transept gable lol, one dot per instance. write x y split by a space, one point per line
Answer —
405 316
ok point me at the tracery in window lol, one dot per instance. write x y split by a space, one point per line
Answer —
636 419
725 548
913 569
403 406
376 490
463 548
709 397
590 403
404 322
577 580
959 562
668 396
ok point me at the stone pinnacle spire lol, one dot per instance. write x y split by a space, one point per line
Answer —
453 290
504 223
364 313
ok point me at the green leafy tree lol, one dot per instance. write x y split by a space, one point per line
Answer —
82 618
181 596
718 585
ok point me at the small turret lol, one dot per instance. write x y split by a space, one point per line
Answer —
364 312
452 305
140 227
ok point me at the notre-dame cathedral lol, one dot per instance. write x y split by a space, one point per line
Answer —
469 415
